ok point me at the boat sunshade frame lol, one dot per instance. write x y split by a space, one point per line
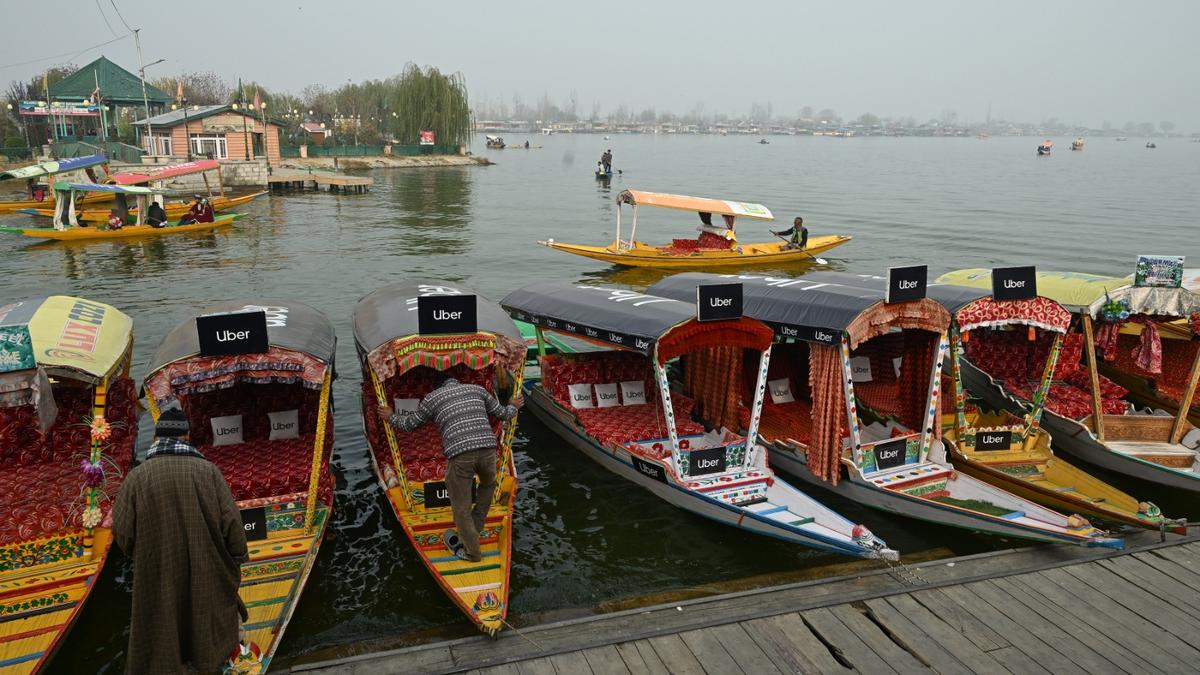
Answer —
55 167
719 207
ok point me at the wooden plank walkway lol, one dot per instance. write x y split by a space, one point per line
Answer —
282 179
1033 610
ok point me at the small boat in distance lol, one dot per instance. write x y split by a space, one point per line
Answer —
764 142
710 250
1151 144
617 406
1122 138
1045 147
494 142
1077 144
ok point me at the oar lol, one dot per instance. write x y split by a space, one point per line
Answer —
819 261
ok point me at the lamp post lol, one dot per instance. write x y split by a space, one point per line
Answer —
245 129
187 132
145 99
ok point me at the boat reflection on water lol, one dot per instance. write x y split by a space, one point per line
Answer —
642 277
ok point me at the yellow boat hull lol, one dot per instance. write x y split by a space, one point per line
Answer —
643 255
132 231
274 577
40 602
479 589
46 204
174 210
1033 472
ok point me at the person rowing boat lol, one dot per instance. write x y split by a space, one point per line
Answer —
796 235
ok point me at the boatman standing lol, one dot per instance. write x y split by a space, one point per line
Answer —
606 160
462 413
177 519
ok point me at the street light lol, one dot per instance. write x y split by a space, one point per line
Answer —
187 132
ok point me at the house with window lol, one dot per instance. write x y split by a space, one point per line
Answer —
222 132
315 133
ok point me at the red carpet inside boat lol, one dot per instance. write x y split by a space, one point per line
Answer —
1177 358
41 482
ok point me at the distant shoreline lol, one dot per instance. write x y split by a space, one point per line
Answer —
384 162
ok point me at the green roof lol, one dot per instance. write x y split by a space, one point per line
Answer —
117 85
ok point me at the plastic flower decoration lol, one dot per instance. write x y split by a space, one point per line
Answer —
93 473
1114 310
101 429
91 517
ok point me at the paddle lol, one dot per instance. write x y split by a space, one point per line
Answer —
819 261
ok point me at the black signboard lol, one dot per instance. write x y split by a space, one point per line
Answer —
254 521
718 302
821 336
704 462
993 440
445 314
649 469
437 495
236 333
890 455
905 284
1014 283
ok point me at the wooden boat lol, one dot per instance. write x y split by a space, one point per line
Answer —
601 174
67 227
400 363
637 427
40 195
68 424
1014 452
877 440
1045 147
1077 144
260 410
1090 416
174 209
688 253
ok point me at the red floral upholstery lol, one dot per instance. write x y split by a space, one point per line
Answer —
1177 358
41 483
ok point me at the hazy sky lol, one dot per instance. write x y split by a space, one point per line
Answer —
1082 62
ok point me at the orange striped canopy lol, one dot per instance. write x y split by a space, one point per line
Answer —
165 172
721 207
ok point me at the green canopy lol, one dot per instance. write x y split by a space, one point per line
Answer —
117 85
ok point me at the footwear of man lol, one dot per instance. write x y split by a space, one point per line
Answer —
454 544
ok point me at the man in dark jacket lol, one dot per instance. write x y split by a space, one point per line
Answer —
462 413
797 235
177 519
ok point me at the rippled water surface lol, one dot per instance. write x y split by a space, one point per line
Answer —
586 540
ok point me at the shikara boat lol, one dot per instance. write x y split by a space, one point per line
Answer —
39 195
1090 416
693 253
260 410
68 424
1014 452
67 226
616 406
400 363
856 397
154 178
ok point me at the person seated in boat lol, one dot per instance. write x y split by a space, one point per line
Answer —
155 215
115 221
606 160
797 235
715 236
463 413
201 212
176 518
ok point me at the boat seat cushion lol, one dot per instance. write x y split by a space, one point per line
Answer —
782 421
263 468
638 423
42 499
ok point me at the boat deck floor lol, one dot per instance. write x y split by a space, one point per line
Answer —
1038 609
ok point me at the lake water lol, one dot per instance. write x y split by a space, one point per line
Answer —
585 540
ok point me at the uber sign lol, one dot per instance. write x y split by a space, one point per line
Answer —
649 469
905 284
891 454
442 314
704 462
238 333
1014 283
437 495
718 302
993 440
254 522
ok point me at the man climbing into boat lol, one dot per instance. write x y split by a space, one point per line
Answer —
462 413
797 235
176 517
606 160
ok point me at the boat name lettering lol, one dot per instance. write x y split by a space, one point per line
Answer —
230 336
225 431
443 315
591 332
720 302
616 339
641 344
571 327
890 455
993 440
606 396
649 469
704 462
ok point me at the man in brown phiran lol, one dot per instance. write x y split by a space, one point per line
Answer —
177 519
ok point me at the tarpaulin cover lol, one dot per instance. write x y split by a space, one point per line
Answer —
55 167
290 325
73 336
623 318
391 312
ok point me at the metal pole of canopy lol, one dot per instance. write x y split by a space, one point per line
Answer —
1097 405
760 391
1185 405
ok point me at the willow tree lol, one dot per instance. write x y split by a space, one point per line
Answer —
427 100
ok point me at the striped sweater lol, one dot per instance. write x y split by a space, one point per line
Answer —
461 412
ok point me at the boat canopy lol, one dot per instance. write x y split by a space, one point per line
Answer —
101 187
1079 293
70 337
638 322
391 312
973 307
819 308
162 173
695 204
55 167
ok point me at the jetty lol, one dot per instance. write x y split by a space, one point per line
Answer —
291 179
1052 609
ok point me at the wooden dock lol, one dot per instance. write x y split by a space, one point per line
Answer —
1045 609
292 179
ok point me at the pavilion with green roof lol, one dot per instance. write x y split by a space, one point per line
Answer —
120 97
